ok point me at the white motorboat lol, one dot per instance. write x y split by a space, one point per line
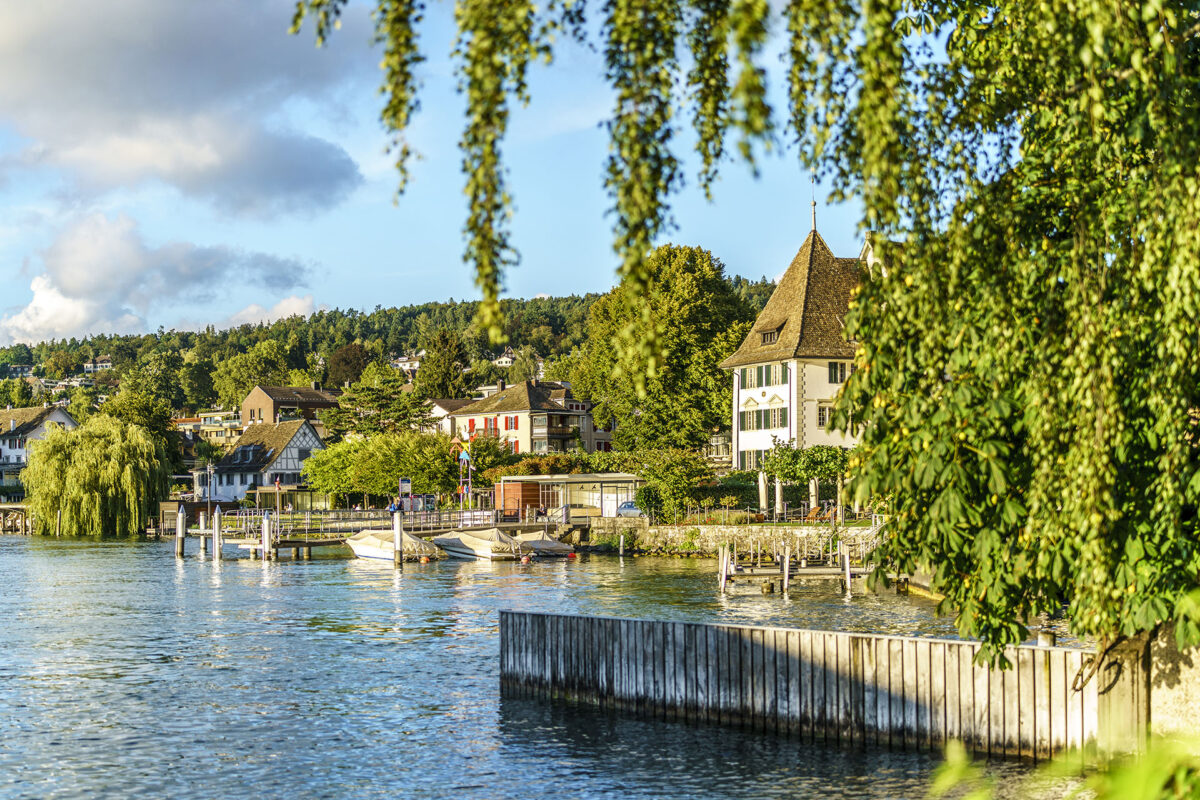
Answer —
490 543
378 543
545 545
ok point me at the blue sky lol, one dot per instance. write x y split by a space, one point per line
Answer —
181 164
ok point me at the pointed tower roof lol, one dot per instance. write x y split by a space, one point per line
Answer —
806 313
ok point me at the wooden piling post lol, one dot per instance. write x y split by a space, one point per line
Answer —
622 545
203 536
58 524
266 536
180 526
787 567
722 566
216 536
846 561
397 542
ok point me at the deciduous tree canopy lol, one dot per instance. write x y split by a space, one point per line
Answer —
105 477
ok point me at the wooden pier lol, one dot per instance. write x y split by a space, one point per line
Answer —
838 688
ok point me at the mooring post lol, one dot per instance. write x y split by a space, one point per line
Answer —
203 532
217 534
787 566
722 566
180 529
621 551
397 542
58 524
266 535
1046 638
846 561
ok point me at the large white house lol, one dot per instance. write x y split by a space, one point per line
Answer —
792 364
262 454
20 426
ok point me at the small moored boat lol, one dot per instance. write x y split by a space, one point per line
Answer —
545 545
378 543
490 543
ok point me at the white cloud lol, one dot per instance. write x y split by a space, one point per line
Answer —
191 94
99 275
287 307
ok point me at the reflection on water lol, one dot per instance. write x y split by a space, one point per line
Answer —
128 673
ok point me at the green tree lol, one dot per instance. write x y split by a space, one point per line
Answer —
347 363
106 477
157 374
16 392
83 403
265 363
378 405
524 366
62 364
196 383
702 321
144 410
441 372
18 353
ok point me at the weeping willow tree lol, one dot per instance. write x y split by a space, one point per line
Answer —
1029 363
106 477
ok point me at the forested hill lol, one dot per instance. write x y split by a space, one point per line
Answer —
551 326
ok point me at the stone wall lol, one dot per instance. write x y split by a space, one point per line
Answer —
703 539
1174 686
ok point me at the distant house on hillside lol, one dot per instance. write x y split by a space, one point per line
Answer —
270 404
97 364
20 426
791 366
505 359
533 416
20 370
409 363
260 455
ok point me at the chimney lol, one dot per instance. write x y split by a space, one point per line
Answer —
12 424
500 385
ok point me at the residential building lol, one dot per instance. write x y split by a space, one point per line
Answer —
269 404
792 364
20 426
505 360
97 364
20 370
441 409
221 428
409 363
262 454
533 416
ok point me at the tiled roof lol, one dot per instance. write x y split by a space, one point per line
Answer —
450 405
26 420
523 396
807 310
259 446
301 394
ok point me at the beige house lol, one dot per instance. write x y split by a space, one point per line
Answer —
532 417
20 426
788 371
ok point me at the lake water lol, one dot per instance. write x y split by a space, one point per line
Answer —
127 673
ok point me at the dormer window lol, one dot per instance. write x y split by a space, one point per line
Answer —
770 337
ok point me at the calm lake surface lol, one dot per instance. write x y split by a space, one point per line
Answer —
126 673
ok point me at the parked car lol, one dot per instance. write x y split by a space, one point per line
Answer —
629 509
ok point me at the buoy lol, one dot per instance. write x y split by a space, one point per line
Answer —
524 559
570 555
424 559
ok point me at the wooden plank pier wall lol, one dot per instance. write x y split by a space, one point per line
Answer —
839 688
